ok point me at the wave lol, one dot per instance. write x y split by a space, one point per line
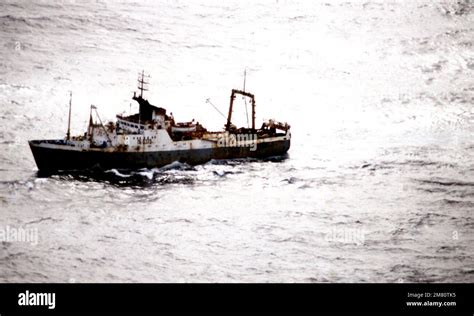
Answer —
117 173
168 174
176 165
173 173
441 182
451 8
37 22
426 219
222 173
387 165
230 162
458 203
42 219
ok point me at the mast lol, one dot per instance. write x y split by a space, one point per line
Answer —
90 129
142 83
141 87
245 99
232 97
68 134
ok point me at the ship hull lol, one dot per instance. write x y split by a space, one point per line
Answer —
53 159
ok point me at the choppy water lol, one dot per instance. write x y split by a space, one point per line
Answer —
378 185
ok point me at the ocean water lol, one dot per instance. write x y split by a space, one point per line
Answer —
378 185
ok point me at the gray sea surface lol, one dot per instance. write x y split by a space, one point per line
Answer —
378 185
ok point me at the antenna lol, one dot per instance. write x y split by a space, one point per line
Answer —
68 134
208 100
142 83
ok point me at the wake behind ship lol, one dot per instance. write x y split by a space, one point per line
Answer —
151 138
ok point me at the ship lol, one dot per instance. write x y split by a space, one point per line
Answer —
151 139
